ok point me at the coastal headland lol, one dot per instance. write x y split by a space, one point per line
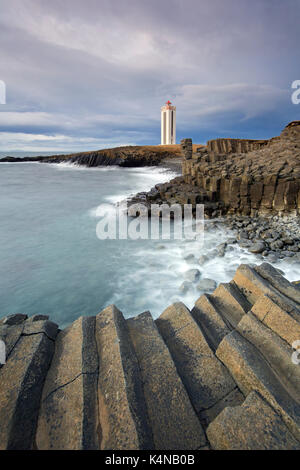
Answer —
127 156
229 176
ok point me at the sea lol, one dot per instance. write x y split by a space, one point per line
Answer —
52 262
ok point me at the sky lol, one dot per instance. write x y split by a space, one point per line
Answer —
91 74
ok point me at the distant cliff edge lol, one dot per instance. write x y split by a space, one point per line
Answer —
129 156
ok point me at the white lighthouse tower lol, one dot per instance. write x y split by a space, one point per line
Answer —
168 124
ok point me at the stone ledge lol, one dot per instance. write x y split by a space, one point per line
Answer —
191 381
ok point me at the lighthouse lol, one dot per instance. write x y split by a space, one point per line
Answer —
168 124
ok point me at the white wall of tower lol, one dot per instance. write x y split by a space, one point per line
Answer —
174 127
168 136
168 125
162 128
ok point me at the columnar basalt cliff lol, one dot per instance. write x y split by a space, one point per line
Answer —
218 377
228 146
262 179
245 176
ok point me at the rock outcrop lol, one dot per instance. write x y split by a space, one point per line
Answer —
245 177
229 146
127 156
220 376
262 180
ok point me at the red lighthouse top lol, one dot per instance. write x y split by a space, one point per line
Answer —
168 103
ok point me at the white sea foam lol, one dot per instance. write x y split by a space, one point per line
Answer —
82 274
159 266
76 166
18 163
155 282
146 178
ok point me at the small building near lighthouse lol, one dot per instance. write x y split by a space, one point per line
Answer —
168 124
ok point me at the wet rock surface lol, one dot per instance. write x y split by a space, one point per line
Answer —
220 376
274 237
206 285
192 275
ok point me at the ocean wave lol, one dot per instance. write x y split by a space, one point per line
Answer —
102 210
147 177
160 267
18 163
118 198
76 166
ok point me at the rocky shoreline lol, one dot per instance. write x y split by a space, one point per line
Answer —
127 156
223 376
274 238
271 238
231 183
228 178
267 240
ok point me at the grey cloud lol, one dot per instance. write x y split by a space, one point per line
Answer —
102 69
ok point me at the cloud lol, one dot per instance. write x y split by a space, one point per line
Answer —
100 69
19 141
249 101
